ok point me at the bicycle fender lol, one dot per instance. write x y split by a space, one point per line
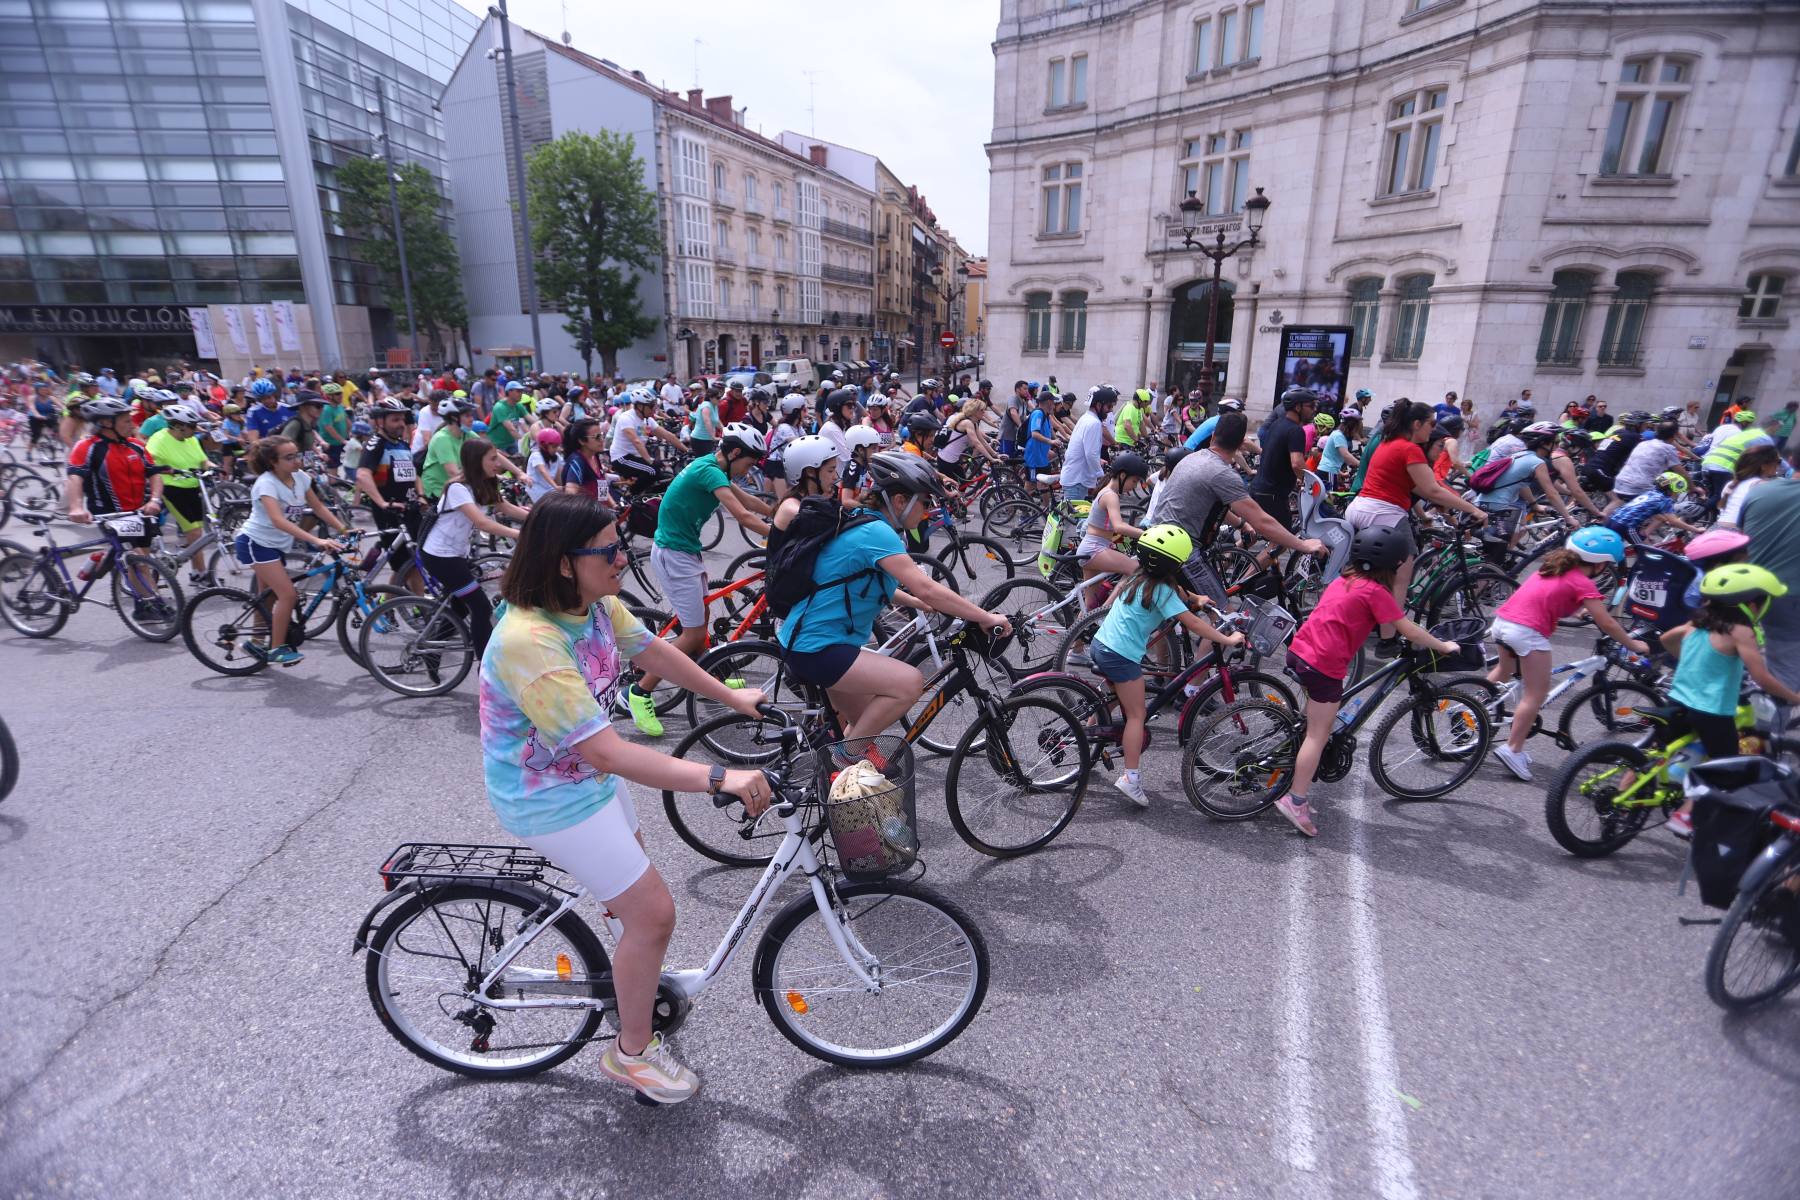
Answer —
1766 863
408 887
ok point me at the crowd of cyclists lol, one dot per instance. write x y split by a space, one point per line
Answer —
1185 523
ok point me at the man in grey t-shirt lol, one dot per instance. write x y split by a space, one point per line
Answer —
1772 521
1205 485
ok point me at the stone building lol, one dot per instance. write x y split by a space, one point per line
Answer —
1492 197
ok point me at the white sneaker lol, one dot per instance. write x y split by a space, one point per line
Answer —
1133 789
1516 761
655 1073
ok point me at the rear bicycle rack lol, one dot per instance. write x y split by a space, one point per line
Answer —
448 862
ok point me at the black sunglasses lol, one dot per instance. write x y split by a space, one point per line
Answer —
609 553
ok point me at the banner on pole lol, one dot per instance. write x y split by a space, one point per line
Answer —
203 332
234 328
285 328
265 328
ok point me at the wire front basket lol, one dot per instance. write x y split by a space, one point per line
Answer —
870 805
1270 629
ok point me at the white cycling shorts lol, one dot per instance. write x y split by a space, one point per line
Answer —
601 851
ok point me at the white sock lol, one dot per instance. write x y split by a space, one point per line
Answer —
1131 776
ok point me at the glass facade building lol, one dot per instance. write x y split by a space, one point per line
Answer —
157 152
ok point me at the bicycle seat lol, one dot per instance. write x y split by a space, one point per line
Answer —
1662 714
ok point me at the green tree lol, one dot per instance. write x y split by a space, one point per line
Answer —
592 219
368 214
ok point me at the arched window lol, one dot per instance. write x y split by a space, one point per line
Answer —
1409 322
1559 342
1072 338
1622 343
1037 321
1365 305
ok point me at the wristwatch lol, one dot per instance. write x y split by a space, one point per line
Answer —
715 780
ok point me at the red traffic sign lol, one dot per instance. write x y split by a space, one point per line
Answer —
947 340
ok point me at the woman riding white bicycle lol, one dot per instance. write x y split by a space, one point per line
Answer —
556 769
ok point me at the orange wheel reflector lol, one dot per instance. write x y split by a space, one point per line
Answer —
797 1002
564 968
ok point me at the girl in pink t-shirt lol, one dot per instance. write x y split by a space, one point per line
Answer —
1357 601
1523 625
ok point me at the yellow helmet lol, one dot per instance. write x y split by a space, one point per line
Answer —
1165 542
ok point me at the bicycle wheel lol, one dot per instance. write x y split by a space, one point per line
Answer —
712 531
148 597
928 959
1018 525
973 558
218 624
745 664
351 616
722 834
9 761
33 495
1237 761
1756 955
416 645
1478 595
1074 652
490 569
1210 697
1018 775
33 599
1579 805
1607 711
1431 745
1032 646
434 947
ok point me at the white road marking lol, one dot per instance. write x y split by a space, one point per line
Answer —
1299 1140
1394 1170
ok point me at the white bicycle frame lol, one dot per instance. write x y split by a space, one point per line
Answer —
794 854
1576 671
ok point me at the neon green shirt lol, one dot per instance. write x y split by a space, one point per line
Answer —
444 452
167 450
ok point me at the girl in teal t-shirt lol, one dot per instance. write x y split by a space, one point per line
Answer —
1140 606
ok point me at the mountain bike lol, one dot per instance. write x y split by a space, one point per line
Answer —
1755 957
1017 772
1239 760
220 624
481 966
38 594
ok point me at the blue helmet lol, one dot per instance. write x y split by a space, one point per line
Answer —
261 388
1597 544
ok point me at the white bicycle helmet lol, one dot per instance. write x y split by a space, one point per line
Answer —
861 435
793 402
185 414
548 405
804 453
741 436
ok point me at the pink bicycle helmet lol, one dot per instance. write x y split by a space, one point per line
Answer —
1715 542
549 437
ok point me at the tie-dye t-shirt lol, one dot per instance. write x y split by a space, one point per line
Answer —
548 682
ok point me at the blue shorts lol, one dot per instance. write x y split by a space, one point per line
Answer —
821 668
250 553
1113 666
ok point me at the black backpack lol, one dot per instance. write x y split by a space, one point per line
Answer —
794 552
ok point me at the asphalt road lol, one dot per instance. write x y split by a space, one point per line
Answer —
1430 1000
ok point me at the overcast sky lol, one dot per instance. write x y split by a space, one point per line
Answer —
913 85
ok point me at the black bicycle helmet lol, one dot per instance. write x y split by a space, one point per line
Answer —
897 473
1173 458
1452 426
1525 412
1639 416
1129 462
1103 395
1380 549
921 426
841 397
1294 397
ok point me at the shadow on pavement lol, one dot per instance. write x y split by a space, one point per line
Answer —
1767 1038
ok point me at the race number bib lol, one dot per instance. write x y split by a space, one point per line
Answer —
1650 591
132 526
401 470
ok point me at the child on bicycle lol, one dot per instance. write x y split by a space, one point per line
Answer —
1523 625
1712 653
281 497
1355 603
1098 552
1148 599
1636 518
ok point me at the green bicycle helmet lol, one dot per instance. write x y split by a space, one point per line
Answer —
1745 418
1741 583
1164 549
1672 483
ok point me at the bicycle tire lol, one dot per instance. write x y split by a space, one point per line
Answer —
1564 795
1019 526
351 616
1760 914
1032 646
1477 595
412 618
720 833
875 905
149 629
31 494
758 663
33 599
1252 685
712 531
1415 720
1237 762
1053 762
9 761
219 641
579 941
1611 706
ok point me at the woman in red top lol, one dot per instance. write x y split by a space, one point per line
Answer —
1399 474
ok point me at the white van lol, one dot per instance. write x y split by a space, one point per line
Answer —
792 372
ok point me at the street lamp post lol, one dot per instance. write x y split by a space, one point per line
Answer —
1255 210
393 174
951 295
518 156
